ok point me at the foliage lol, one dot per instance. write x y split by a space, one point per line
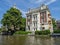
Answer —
13 18
21 32
23 24
56 31
45 32
0 30
54 23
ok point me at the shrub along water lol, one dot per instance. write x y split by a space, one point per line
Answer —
22 32
44 32
56 31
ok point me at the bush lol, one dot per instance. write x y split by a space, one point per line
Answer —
56 31
21 32
37 32
0 30
45 32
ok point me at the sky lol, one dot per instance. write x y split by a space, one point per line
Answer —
24 5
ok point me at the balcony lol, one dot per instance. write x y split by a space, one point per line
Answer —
49 22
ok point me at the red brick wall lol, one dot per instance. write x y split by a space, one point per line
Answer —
43 14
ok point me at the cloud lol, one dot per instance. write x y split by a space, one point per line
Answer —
51 1
23 13
40 1
47 2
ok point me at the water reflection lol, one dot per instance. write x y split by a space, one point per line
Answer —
29 40
13 40
40 40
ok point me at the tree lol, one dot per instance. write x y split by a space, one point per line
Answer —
23 24
12 18
54 23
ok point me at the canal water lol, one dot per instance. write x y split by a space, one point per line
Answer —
29 40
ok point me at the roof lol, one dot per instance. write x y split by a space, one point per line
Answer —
38 9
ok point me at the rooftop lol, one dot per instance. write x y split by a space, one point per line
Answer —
41 8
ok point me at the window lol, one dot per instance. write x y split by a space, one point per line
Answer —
49 22
35 16
48 14
29 27
42 24
43 28
34 23
34 29
29 17
28 23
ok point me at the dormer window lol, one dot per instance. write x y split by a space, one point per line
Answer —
35 16
29 17
43 7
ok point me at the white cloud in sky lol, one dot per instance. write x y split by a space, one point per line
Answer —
23 13
47 2
51 1
40 1
31 3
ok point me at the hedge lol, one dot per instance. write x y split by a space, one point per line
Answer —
44 32
56 31
22 32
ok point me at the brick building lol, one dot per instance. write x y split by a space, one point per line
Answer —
39 19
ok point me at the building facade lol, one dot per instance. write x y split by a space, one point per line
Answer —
58 24
39 19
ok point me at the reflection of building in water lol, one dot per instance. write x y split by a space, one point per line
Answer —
52 41
57 40
45 41
39 19
31 40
